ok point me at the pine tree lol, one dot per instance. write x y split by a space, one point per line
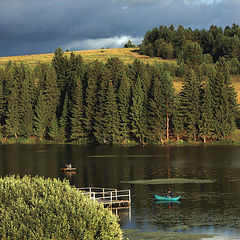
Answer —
77 130
206 118
190 105
111 117
53 130
2 77
168 104
59 62
26 112
177 119
100 132
138 124
116 69
64 128
41 117
51 92
95 73
124 95
156 106
224 98
58 129
12 114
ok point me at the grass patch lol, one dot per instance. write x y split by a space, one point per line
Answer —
127 55
161 235
169 181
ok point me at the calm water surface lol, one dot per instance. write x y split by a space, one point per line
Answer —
211 208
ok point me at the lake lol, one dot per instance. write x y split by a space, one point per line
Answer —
205 208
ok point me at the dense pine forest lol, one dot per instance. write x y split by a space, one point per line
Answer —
193 46
70 101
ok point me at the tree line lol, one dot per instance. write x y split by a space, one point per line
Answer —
114 103
194 47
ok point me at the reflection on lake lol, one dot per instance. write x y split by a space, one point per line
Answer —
207 207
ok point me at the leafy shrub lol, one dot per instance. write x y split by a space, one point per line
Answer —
39 208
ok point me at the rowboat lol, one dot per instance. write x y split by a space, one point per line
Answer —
69 169
166 202
161 198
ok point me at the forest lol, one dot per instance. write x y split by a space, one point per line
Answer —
193 46
70 101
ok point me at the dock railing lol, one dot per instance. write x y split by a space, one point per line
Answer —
108 196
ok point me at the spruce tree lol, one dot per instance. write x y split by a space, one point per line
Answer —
77 112
53 130
206 117
138 123
41 117
177 119
100 132
12 114
123 97
26 112
111 117
168 96
95 73
58 129
224 98
64 128
59 62
51 92
2 98
116 69
190 104
156 106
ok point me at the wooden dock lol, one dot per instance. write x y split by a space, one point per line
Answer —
109 197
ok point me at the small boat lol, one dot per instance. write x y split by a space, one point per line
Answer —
166 202
161 198
69 169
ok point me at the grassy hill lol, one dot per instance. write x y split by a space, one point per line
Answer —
127 55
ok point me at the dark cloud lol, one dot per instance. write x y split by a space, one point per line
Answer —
40 26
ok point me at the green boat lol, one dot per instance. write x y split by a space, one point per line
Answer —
161 198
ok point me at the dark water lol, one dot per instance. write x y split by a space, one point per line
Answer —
211 208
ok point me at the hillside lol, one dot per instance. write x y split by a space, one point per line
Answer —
127 55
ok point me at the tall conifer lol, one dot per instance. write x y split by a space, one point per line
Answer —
12 114
206 118
111 117
138 123
100 132
41 117
26 112
51 92
77 112
95 73
190 104
124 95
224 98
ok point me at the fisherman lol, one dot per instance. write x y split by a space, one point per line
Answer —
69 166
169 194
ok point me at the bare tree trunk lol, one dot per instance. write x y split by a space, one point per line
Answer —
167 127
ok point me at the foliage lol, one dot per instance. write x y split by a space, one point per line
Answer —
115 103
168 43
39 208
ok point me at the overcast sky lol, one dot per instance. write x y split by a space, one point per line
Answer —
40 26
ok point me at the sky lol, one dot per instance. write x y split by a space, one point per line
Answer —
41 26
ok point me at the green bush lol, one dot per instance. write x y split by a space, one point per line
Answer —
39 208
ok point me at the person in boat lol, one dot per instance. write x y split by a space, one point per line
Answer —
69 166
169 194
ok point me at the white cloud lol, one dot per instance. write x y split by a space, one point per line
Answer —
199 2
112 42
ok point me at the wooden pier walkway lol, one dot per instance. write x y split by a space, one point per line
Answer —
109 197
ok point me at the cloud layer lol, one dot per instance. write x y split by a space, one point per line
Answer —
40 26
